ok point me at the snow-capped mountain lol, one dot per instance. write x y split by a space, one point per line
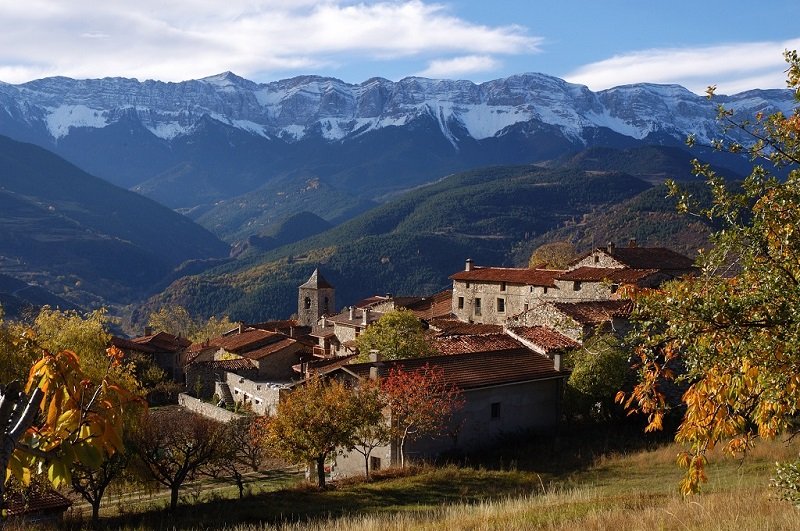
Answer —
202 140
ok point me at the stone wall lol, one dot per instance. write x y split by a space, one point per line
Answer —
207 410
262 397
516 298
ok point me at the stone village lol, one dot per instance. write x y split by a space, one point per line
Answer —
499 336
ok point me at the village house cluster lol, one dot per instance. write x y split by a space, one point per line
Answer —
499 335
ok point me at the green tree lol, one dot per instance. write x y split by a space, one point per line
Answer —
555 255
732 333
598 372
312 423
397 335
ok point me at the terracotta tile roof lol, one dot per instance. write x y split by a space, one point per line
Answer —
595 312
454 327
478 369
323 332
234 365
127 344
546 338
246 341
464 344
163 342
324 365
435 306
528 277
265 351
48 501
651 258
599 274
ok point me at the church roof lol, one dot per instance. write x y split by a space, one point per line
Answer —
316 280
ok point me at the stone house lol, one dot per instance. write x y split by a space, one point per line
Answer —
167 351
505 391
577 320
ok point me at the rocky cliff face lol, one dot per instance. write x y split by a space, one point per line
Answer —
197 142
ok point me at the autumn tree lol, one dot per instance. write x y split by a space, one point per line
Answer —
397 335
420 401
734 330
239 450
555 255
173 445
177 320
60 418
311 424
91 482
371 428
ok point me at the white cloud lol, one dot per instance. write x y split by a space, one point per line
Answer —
184 39
732 67
459 66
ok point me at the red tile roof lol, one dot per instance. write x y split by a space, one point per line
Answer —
464 344
545 338
454 327
528 277
265 351
234 365
599 274
595 312
478 369
246 341
47 501
435 306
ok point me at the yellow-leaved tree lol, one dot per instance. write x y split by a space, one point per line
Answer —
731 335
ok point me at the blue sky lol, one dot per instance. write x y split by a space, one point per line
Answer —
736 45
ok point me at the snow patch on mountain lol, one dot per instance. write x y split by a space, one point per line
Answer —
63 118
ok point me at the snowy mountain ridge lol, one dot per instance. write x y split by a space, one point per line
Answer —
296 108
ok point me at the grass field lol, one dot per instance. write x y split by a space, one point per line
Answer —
630 489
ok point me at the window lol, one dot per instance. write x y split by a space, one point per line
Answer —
502 286
544 290
467 284
307 303
614 288
461 303
576 286
325 307
495 410
525 307
477 306
596 259
501 305
374 463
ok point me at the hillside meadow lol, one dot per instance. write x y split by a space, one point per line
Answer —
618 489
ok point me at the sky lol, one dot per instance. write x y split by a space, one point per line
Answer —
736 45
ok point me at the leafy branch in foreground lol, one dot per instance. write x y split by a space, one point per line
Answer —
731 335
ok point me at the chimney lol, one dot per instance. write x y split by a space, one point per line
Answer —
364 316
557 361
632 243
352 313
324 322
468 267
148 330
610 247
373 373
241 328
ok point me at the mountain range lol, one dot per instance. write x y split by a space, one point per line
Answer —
390 185
239 156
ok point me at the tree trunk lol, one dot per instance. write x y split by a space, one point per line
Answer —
366 465
240 484
173 497
95 511
321 471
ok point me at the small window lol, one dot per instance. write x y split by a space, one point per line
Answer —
525 307
374 463
467 284
596 259
502 286
501 305
495 410
461 303
544 290
307 303
477 306
326 305
576 286
614 288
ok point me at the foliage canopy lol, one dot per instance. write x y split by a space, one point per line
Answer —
732 333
